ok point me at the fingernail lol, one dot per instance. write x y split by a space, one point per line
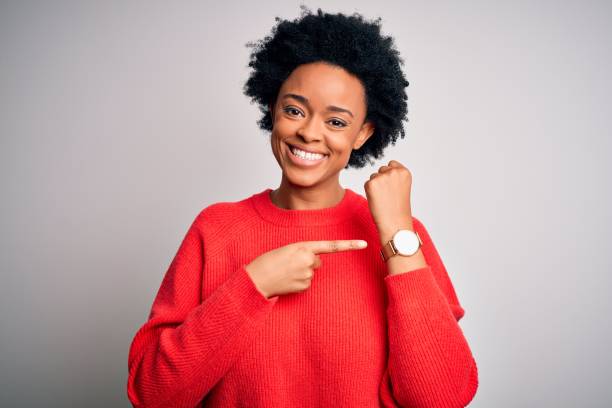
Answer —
362 244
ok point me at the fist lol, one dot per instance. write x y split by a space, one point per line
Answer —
388 195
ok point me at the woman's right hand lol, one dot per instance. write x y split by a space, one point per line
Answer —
290 268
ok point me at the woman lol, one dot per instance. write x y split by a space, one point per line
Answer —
271 301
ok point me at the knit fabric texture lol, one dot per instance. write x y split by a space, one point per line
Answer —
357 337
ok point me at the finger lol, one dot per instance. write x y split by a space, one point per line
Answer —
309 274
395 163
317 262
334 245
382 169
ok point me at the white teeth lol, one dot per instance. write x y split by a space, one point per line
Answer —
306 155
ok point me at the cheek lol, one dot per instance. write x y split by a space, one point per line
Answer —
284 127
341 146
282 130
277 143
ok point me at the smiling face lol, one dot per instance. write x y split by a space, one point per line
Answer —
320 108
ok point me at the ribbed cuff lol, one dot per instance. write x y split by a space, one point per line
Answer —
242 289
416 288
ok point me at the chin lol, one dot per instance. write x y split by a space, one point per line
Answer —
302 180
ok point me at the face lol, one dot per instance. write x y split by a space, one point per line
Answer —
320 108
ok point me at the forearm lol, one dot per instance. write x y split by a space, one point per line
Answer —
430 361
181 363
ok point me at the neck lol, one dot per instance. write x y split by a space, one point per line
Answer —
294 197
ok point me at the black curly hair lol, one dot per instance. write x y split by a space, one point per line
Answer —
350 42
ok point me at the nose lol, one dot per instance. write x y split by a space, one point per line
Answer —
309 131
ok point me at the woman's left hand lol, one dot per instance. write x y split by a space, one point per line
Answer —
388 195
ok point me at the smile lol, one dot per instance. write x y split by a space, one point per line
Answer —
305 159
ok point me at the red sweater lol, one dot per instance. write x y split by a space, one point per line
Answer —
357 337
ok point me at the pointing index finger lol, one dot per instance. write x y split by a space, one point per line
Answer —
336 245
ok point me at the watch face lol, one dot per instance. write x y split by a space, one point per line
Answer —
406 242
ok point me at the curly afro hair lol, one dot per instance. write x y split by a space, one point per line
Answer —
346 41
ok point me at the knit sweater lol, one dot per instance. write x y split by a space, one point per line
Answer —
357 337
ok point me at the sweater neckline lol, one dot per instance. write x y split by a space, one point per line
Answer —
314 217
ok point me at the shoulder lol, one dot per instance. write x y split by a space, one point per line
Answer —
224 210
224 215
419 227
433 258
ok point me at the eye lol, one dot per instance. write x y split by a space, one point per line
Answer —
291 110
340 123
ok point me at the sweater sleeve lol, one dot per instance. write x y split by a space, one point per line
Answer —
430 363
189 343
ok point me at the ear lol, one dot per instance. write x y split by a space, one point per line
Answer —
367 129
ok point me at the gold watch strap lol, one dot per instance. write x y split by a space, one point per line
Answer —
388 250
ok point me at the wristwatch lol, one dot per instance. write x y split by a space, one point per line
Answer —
405 242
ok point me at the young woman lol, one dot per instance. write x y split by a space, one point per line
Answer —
274 300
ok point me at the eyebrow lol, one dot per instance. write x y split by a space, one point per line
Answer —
304 100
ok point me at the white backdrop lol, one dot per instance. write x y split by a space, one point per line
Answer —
120 121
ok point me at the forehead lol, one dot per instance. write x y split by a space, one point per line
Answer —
325 84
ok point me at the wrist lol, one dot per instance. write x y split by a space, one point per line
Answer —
257 284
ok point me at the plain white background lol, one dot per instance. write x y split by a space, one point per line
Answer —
120 121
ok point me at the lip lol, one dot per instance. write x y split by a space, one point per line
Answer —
303 162
306 150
